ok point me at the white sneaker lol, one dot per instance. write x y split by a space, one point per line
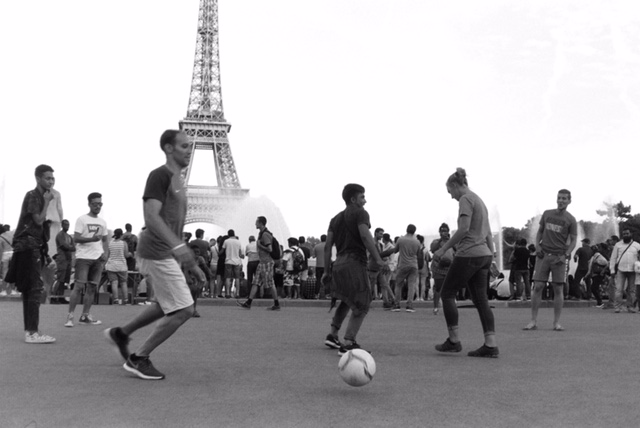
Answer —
15 293
3 293
37 337
69 322
88 320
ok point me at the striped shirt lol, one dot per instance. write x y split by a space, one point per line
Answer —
117 261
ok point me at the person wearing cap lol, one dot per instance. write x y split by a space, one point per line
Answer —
582 257
117 267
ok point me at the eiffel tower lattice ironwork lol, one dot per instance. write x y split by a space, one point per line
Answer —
207 128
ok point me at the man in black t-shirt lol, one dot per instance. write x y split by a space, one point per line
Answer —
349 232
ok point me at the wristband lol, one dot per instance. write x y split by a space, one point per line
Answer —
179 246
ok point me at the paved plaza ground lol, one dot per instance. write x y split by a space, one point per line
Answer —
257 368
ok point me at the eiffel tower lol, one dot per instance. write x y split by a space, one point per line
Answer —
207 128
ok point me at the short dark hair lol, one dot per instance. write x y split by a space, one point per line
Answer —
128 227
378 229
420 238
522 242
323 238
292 241
351 190
41 169
93 195
262 220
199 233
444 226
411 229
230 233
302 240
565 192
168 137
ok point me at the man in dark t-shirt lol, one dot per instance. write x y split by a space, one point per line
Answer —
349 232
163 256
582 257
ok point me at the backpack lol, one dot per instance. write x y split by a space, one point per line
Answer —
597 268
298 260
276 254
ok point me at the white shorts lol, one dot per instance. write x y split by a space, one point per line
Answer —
169 284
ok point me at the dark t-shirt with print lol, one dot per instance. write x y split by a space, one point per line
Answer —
346 235
168 188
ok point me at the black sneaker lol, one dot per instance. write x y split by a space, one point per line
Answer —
142 367
243 304
332 342
116 337
274 308
396 308
485 352
449 346
345 348
196 314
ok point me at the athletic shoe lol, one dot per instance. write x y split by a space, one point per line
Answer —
449 346
631 310
88 320
332 342
3 293
396 308
435 311
244 305
617 311
274 308
196 314
600 306
410 309
117 301
142 367
69 322
485 352
345 348
116 337
387 306
15 293
37 337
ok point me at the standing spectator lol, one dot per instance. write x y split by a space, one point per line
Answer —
441 266
202 245
161 253
306 250
349 231
388 296
470 267
318 253
220 268
582 256
64 258
373 270
611 282
194 282
253 259
596 273
407 248
232 249
117 268
213 267
92 246
293 260
264 277
424 275
6 251
132 246
520 268
555 240
621 265
27 262
532 263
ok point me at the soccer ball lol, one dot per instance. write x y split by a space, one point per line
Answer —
357 367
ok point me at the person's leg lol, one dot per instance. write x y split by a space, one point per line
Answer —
123 278
387 294
95 274
353 327
536 298
558 302
166 326
595 288
114 289
412 284
527 284
456 279
478 289
33 290
338 317
82 273
619 284
437 288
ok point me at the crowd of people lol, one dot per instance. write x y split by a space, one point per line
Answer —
349 264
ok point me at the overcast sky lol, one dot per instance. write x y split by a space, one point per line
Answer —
529 97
